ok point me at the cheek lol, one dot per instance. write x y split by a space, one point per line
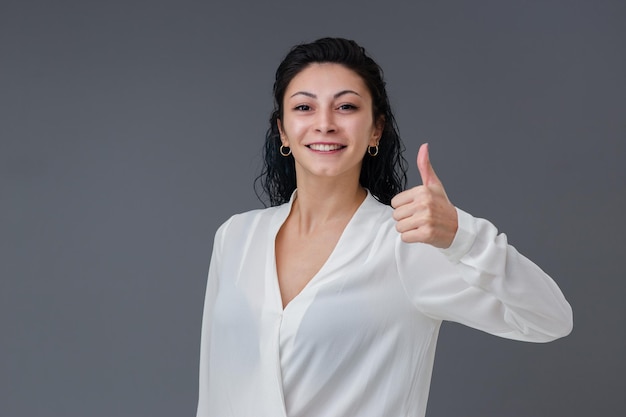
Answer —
291 127
366 130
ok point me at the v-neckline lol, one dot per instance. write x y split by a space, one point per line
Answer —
283 215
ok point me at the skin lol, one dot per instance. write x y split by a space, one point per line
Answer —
328 105
328 125
424 214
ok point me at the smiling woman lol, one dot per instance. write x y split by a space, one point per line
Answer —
329 302
328 124
384 176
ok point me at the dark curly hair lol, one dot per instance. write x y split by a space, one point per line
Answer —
385 174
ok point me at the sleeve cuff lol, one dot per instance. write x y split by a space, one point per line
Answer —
464 238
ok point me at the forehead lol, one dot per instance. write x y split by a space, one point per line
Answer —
319 78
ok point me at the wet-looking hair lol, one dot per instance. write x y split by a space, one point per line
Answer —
384 174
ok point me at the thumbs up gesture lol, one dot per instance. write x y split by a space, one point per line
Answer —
423 213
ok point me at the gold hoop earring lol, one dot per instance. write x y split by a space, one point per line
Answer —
374 153
282 152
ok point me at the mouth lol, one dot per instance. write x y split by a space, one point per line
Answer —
325 147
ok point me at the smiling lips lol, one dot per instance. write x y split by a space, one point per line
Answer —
325 147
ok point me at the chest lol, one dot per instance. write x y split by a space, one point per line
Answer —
353 300
300 257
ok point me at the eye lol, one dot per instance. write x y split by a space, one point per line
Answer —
347 107
302 107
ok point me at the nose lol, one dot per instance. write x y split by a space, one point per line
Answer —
325 122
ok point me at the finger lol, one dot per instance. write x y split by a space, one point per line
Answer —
419 235
402 212
425 168
402 198
409 196
409 223
418 200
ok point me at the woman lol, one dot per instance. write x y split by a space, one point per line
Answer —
329 302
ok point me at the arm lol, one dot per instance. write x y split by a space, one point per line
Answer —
480 280
483 282
205 339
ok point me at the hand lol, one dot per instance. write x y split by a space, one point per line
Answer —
423 213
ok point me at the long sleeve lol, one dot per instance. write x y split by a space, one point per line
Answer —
209 300
483 282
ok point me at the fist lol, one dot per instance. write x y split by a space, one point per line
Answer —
424 213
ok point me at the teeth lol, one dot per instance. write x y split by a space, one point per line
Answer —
324 147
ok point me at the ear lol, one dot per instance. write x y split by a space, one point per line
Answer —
283 136
377 133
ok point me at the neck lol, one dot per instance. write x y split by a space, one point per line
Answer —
320 204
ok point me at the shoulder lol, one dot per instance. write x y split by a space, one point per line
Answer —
254 216
241 225
372 225
377 213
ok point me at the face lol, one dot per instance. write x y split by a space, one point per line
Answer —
328 122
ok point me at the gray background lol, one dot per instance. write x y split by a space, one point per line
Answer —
130 130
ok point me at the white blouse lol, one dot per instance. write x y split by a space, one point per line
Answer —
359 340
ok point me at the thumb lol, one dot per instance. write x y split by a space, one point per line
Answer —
425 168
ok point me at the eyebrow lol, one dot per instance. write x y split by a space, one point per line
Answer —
337 95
